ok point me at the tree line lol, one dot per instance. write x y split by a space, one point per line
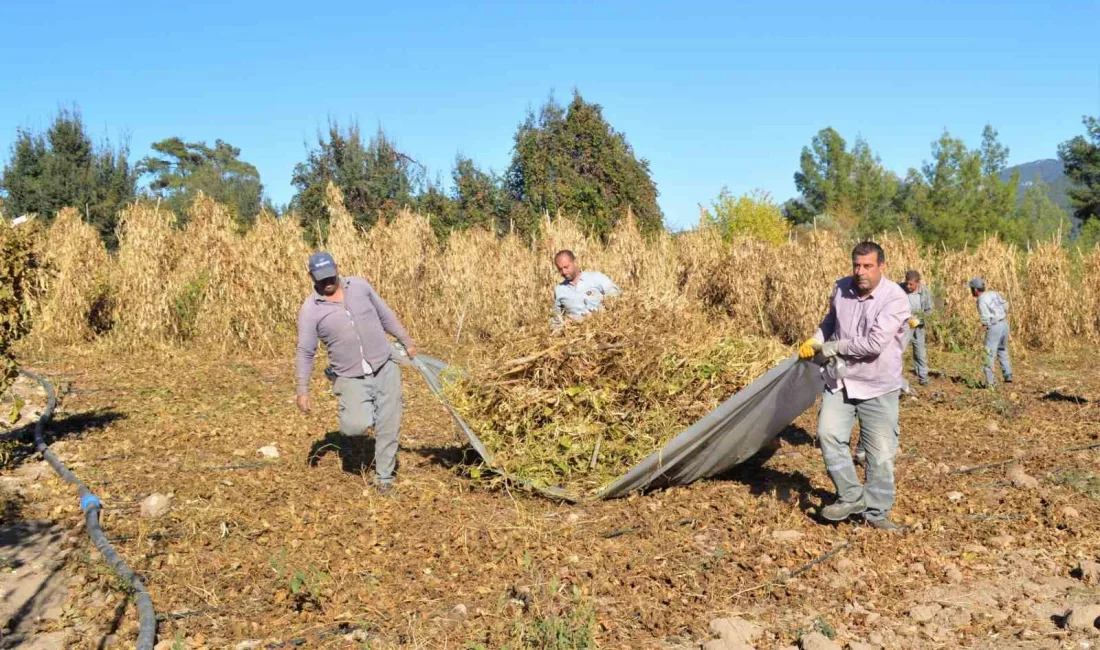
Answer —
565 158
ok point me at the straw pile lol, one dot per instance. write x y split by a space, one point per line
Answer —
1089 293
1048 283
79 305
20 263
578 408
799 283
147 251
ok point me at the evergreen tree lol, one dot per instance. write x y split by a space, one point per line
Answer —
570 159
376 178
63 167
183 169
1081 157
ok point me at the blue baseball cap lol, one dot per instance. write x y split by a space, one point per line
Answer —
322 266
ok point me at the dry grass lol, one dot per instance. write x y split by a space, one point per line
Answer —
20 259
1048 283
147 250
77 281
209 285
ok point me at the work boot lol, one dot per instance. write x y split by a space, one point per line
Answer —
923 381
385 488
884 524
1008 380
841 510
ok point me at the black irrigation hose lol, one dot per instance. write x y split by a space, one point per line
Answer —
91 505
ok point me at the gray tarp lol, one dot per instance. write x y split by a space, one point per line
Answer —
730 434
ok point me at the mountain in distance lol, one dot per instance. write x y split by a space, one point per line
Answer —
1050 171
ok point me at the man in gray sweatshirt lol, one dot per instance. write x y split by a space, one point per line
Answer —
993 311
352 320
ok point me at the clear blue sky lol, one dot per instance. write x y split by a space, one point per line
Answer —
712 94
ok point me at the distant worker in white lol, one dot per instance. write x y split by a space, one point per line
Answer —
993 311
580 292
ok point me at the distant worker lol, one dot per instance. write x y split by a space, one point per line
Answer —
580 292
352 320
920 304
863 329
993 311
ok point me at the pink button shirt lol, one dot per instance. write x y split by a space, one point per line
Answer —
869 331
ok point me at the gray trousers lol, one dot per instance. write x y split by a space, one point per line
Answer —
996 346
374 400
918 338
878 435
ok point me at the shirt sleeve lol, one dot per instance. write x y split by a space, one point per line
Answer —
926 300
557 317
886 326
305 350
390 323
608 286
828 325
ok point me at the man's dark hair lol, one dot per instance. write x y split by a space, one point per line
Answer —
868 247
912 275
566 252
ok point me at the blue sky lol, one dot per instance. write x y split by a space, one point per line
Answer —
712 94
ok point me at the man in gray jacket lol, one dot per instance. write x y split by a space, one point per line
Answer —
920 303
993 311
352 320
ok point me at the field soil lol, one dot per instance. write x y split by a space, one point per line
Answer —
999 491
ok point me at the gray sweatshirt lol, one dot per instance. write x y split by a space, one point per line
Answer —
992 308
353 331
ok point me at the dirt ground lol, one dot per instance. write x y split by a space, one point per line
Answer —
299 551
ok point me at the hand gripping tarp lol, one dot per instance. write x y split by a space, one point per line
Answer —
727 436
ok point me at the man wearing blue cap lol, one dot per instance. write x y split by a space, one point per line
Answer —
993 311
352 320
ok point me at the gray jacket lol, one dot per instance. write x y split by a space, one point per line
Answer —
353 331
992 308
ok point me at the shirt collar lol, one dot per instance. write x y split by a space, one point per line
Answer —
855 294
567 283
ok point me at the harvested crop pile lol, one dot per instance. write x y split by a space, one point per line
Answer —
579 407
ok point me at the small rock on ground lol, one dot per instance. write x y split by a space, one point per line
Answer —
737 630
1021 479
1083 618
924 613
818 641
1090 572
270 451
156 505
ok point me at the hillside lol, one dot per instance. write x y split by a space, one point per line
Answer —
1049 171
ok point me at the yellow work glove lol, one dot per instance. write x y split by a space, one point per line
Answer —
809 348
914 322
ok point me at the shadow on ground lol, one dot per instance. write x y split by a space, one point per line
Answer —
356 453
33 586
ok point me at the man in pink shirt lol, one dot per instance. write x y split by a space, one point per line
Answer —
860 340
